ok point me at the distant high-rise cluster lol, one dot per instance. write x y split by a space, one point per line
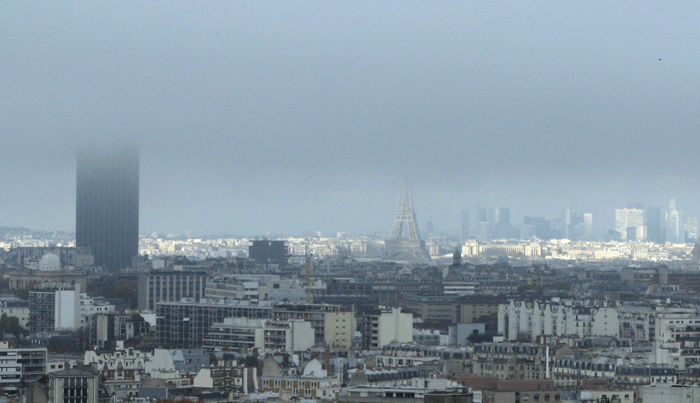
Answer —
107 204
655 224
495 223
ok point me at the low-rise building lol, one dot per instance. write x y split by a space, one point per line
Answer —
21 365
268 336
386 325
526 320
515 361
74 386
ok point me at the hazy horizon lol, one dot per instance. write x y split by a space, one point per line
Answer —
277 117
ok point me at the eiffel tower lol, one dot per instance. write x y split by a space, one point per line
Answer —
397 247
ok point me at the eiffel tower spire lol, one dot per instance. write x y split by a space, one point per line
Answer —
397 247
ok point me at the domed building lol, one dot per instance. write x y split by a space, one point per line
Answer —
48 272
50 262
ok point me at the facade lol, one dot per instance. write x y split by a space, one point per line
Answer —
526 320
288 387
268 336
317 315
432 307
671 393
229 376
339 328
121 370
677 342
397 355
473 247
459 334
469 309
104 329
28 279
184 324
170 286
514 361
21 365
386 325
54 309
633 377
460 288
569 371
637 322
29 257
73 386
67 309
107 204
264 251
416 390
267 287
49 271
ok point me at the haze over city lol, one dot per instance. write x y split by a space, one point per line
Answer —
270 117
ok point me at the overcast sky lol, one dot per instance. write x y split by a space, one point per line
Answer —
282 116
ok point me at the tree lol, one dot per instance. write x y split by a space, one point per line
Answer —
10 324
73 342
125 289
523 337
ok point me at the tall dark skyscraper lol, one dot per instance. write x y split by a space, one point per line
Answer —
464 226
107 204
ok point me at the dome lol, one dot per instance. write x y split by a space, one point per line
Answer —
50 262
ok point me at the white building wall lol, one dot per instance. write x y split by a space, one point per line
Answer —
533 318
161 359
606 323
302 335
395 326
67 309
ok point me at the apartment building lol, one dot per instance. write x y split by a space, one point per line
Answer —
268 336
185 324
515 361
21 364
170 286
338 319
74 386
525 320
385 325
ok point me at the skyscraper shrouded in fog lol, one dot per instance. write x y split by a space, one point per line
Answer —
464 226
107 204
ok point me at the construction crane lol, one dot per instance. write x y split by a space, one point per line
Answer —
307 272
309 297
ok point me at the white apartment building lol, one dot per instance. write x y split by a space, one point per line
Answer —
460 287
90 306
122 369
677 338
529 319
20 364
241 334
67 309
386 325
263 287
637 322
339 328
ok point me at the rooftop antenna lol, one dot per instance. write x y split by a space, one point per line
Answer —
308 274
